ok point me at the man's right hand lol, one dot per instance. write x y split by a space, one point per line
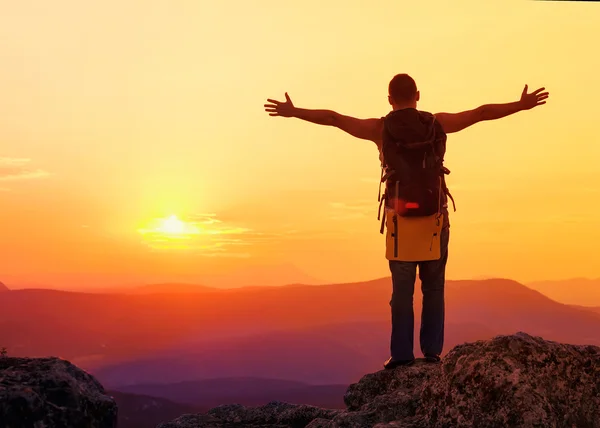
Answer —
279 108
366 129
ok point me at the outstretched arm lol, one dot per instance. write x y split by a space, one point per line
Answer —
366 129
454 122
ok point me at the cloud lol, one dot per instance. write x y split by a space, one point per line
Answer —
203 219
225 254
566 187
14 169
14 161
353 211
207 235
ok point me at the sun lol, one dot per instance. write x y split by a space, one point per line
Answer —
170 232
172 225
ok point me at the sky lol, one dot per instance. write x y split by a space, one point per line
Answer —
134 145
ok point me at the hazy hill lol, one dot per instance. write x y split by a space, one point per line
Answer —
327 354
594 309
575 291
163 287
328 334
143 411
249 391
170 288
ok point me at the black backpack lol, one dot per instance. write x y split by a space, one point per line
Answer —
412 151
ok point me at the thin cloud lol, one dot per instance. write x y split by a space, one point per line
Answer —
353 211
208 236
533 221
14 169
490 188
204 219
476 187
226 254
14 161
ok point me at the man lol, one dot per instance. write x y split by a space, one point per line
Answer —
403 96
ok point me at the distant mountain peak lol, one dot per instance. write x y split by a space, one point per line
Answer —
3 287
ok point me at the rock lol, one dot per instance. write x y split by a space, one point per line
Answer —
516 380
508 381
274 415
50 392
403 385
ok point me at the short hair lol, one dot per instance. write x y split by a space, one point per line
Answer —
402 88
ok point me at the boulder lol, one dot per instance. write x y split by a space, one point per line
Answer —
51 392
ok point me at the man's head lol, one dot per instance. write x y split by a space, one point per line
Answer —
402 92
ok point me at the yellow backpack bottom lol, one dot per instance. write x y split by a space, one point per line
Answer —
413 239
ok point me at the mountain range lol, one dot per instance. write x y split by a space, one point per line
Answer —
199 346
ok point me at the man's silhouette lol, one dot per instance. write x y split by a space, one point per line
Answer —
403 97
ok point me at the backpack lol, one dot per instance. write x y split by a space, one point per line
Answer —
412 153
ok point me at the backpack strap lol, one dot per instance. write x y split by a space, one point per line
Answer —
445 171
447 192
380 181
382 228
445 187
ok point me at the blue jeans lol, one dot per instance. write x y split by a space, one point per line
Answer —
432 275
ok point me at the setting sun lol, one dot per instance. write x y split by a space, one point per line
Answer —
167 233
172 225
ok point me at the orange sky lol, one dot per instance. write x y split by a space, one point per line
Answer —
114 114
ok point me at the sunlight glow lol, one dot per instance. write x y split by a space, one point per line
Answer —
202 233
169 232
172 225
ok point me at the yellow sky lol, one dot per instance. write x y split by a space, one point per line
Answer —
116 113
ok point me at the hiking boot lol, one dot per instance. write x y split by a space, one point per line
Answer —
432 358
392 364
